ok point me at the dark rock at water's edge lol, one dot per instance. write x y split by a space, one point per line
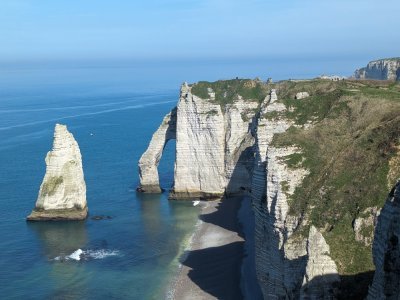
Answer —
98 218
150 189
58 215
197 195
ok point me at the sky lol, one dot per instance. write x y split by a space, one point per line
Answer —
194 29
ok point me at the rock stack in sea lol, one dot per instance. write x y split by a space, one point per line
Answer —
62 194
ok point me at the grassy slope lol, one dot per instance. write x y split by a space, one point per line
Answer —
355 134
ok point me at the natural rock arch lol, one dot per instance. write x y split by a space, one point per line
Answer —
148 163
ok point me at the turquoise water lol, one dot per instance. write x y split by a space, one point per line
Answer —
112 114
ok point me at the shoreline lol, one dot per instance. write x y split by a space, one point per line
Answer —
218 262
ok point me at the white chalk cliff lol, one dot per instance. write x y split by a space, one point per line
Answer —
321 272
213 148
382 69
148 163
284 261
62 194
228 149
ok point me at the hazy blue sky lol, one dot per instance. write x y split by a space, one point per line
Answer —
79 29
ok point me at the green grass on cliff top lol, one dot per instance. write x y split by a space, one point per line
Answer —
355 133
227 91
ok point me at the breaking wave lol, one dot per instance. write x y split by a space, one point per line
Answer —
80 254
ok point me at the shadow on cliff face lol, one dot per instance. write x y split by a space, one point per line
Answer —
353 287
240 181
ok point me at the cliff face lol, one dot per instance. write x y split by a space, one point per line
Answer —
200 146
213 147
386 250
284 262
315 168
62 194
383 69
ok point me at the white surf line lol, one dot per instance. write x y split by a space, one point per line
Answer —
84 115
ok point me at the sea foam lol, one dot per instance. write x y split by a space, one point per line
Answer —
80 254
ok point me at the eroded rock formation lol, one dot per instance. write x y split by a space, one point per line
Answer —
382 69
230 145
200 148
148 163
62 194
213 147
386 250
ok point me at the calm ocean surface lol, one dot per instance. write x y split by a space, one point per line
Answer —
131 256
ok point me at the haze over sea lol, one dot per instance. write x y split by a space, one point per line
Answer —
112 111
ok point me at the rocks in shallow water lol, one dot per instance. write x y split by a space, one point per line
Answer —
62 194
98 218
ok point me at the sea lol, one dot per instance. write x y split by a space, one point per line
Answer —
134 250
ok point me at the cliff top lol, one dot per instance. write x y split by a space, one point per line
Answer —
388 59
227 91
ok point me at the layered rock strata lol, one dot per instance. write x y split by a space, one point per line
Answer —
200 148
383 69
213 147
228 149
283 260
321 275
62 194
386 250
